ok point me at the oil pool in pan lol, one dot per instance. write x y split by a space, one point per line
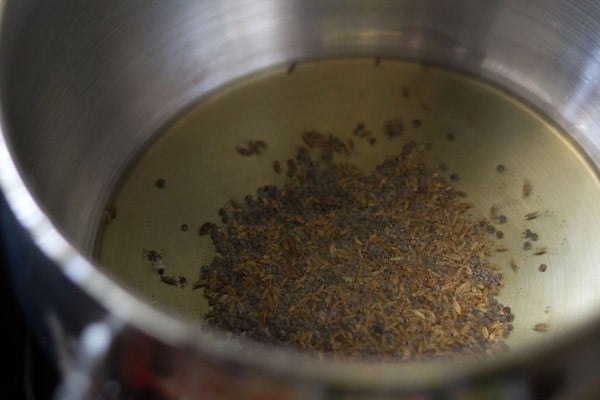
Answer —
527 187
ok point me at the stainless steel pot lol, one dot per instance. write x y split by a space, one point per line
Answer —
84 86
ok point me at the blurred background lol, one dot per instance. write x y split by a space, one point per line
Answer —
28 374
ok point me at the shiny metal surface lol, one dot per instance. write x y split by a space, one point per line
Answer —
84 86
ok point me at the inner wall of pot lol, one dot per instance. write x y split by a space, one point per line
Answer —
77 116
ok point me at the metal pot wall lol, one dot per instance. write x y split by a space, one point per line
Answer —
84 88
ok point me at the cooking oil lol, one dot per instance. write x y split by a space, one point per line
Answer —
506 158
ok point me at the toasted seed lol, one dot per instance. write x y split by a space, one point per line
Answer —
514 265
527 189
160 183
206 228
169 280
154 256
291 68
541 327
532 215
110 214
326 264
405 92
534 237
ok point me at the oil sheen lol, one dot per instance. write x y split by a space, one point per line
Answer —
468 125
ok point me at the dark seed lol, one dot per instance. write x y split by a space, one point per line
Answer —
416 123
161 271
277 166
450 137
372 141
532 215
184 227
160 183
321 261
169 280
490 228
243 151
291 68
500 168
110 214
527 245
206 228
154 256
405 92
543 267
527 189
394 128
534 237
499 234
454 176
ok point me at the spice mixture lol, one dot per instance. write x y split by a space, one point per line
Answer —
386 264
